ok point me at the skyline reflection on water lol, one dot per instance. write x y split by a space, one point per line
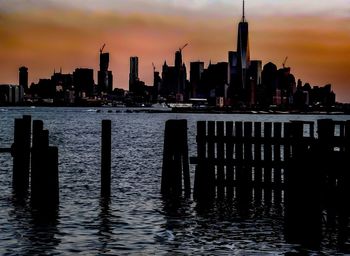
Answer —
136 219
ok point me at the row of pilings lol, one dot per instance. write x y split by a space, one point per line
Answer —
267 162
36 164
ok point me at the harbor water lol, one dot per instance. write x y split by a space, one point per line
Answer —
136 220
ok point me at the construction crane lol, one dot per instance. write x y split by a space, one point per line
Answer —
181 48
101 49
284 62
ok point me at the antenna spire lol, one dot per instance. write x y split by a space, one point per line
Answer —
243 17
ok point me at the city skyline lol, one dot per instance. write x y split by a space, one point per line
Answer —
48 35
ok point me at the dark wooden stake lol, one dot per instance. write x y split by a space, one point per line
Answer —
21 155
44 171
175 159
303 215
106 158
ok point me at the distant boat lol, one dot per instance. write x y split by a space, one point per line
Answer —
180 105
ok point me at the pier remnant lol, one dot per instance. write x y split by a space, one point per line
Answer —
44 170
175 159
21 155
106 147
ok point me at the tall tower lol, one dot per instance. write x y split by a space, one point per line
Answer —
105 77
134 73
23 77
243 55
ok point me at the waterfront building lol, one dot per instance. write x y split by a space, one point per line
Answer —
196 72
269 84
243 59
157 83
11 94
255 70
174 80
23 77
134 74
83 81
104 76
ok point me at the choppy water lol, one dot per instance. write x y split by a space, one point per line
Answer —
136 220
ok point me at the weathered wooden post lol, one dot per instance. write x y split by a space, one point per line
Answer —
303 215
268 160
229 159
106 158
344 192
202 180
21 155
277 174
175 159
258 169
326 167
44 171
38 143
220 149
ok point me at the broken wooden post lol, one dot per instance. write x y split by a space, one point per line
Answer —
303 215
44 171
21 155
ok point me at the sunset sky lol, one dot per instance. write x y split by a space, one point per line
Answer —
48 34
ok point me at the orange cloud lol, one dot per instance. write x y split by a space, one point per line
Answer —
318 48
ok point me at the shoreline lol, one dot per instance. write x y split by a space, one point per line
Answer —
152 110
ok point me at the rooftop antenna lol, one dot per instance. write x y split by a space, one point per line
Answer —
243 17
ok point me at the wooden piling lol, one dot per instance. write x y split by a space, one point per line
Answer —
257 169
277 174
239 170
211 156
175 159
325 130
36 157
303 214
344 191
268 160
21 155
44 171
248 158
229 159
220 171
106 140
202 180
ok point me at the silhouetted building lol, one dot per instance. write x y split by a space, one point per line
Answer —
174 80
23 77
215 81
157 83
255 70
243 59
11 94
269 85
286 84
196 71
134 74
104 77
83 81
44 89
63 84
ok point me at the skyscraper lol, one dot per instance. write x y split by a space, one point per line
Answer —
23 77
196 71
243 56
104 77
134 73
